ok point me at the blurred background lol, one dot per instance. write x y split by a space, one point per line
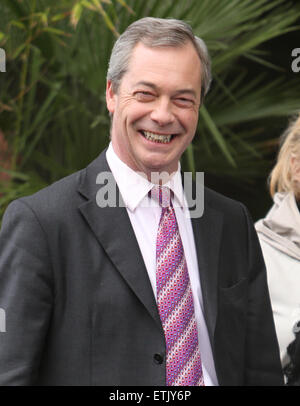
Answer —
53 118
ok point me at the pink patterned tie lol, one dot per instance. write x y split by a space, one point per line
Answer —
175 300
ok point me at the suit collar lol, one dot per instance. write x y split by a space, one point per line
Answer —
207 234
113 229
114 232
87 186
207 228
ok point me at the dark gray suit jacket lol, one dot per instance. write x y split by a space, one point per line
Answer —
79 304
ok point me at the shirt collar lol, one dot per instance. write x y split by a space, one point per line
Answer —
134 187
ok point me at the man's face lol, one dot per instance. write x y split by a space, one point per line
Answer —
155 110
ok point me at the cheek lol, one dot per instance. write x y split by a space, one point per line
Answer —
136 113
190 121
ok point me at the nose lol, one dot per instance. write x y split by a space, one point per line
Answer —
162 112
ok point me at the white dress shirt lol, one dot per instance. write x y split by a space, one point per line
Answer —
144 214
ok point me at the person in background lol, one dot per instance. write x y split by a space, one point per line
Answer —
279 235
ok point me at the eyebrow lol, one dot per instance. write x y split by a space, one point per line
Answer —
178 92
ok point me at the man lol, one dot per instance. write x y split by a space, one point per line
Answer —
93 294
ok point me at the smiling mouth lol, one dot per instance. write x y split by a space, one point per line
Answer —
159 138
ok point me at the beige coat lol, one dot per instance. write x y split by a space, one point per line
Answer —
279 235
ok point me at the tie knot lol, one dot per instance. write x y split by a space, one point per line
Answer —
162 194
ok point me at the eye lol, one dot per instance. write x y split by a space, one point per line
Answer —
184 102
144 96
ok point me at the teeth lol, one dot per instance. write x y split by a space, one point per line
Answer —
157 137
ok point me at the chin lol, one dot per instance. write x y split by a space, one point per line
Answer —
160 167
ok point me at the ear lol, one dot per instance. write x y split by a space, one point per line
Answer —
110 97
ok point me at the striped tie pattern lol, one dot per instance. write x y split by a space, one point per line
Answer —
175 300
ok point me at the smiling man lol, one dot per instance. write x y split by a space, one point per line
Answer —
139 294
156 107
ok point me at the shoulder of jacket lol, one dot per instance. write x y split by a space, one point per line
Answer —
59 194
220 201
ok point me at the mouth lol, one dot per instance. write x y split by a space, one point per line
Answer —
158 138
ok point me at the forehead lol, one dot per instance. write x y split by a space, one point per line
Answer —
177 66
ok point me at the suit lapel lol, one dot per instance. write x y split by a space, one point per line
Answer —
207 234
113 230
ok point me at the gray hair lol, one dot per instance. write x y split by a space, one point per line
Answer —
156 32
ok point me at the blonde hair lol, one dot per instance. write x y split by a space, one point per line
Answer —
282 176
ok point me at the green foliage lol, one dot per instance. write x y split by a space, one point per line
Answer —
52 101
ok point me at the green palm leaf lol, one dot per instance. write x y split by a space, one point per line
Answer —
52 100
